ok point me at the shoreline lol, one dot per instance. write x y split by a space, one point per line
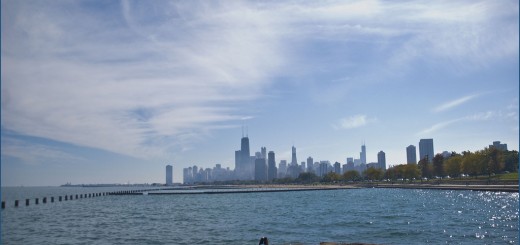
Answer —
287 188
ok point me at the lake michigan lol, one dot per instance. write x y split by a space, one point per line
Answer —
382 216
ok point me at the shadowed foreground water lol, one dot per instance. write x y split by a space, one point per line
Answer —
386 216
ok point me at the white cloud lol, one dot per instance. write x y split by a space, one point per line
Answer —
355 121
127 90
454 103
157 75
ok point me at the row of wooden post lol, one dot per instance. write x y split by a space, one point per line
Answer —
71 197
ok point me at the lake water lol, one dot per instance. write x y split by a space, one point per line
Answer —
384 216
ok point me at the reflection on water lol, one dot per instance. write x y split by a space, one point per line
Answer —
387 216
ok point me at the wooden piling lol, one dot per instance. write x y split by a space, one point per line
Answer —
16 203
44 200
3 204
26 202
66 197
52 199
36 201
76 196
59 198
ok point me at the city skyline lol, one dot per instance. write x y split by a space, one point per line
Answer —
111 92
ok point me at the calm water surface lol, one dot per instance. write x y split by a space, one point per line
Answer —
385 216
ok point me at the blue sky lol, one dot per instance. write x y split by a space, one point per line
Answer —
112 91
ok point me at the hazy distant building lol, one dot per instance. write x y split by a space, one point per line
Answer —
372 165
187 175
426 149
272 172
169 175
293 157
324 168
302 167
411 156
263 150
282 169
446 154
337 167
350 160
363 154
498 146
243 161
357 162
310 167
344 168
381 160
260 169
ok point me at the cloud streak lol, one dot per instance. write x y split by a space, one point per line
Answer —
483 116
454 103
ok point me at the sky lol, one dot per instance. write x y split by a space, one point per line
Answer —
113 91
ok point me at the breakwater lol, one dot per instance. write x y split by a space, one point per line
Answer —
68 197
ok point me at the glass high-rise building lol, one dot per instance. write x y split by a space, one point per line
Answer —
293 160
426 149
363 154
310 167
272 171
169 175
411 154
381 160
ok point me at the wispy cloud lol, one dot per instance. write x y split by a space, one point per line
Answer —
35 154
483 116
355 121
142 78
454 103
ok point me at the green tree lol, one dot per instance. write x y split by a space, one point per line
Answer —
351 175
437 162
390 173
331 177
411 171
511 161
469 163
494 160
425 167
373 173
453 165
307 178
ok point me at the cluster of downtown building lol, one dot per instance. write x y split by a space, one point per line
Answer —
262 165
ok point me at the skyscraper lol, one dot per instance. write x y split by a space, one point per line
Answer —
169 175
260 169
337 167
381 160
244 164
310 167
272 172
293 160
244 150
282 169
263 150
363 154
411 156
426 149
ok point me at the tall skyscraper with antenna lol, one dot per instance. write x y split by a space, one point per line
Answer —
363 154
293 160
